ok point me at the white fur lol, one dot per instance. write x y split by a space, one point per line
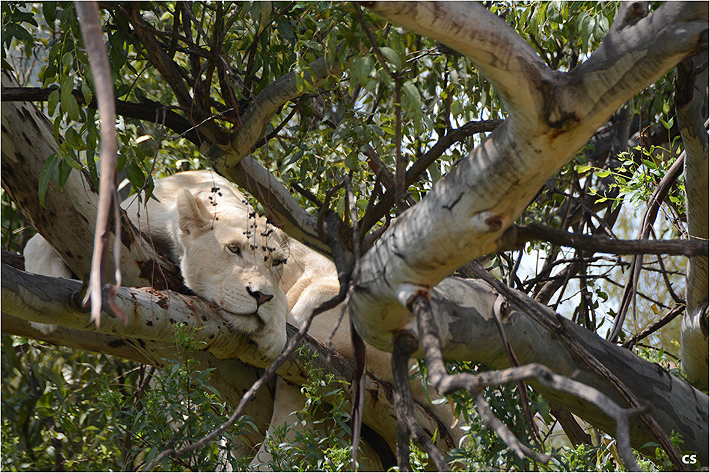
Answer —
201 218
41 258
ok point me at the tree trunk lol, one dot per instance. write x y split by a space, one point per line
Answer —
691 90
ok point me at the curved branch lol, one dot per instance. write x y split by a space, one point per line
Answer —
253 120
502 56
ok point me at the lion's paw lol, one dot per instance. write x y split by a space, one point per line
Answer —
270 342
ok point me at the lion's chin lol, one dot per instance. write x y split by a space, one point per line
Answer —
242 323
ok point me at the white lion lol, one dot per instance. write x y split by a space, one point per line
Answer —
231 256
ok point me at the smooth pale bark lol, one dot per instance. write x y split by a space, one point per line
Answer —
153 316
551 116
691 89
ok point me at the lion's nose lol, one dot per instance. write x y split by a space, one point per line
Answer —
260 297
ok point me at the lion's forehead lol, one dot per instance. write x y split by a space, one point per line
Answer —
255 235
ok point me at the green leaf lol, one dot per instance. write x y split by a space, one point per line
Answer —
413 100
69 104
68 60
391 56
86 92
49 10
74 140
52 102
553 12
649 164
65 167
285 30
361 69
48 170
351 160
135 174
602 27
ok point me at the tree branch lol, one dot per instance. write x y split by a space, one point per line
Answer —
148 110
153 316
690 96
516 236
108 210
29 142
465 213
253 120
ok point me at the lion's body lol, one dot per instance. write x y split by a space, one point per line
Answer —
231 256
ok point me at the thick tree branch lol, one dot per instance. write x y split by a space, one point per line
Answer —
465 213
464 316
424 161
153 316
28 141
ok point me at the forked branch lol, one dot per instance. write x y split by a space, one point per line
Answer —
420 304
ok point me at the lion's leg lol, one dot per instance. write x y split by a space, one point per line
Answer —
40 258
287 400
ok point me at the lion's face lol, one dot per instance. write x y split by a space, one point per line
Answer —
233 258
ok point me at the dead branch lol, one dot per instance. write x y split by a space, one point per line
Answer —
420 304
90 23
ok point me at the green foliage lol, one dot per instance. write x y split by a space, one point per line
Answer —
92 412
324 445
563 33
14 231
49 411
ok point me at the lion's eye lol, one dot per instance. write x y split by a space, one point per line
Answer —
278 262
234 248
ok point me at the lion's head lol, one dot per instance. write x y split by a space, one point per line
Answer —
232 257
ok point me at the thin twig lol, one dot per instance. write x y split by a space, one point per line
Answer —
648 218
270 372
557 328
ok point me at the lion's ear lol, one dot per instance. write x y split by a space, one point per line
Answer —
194 218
